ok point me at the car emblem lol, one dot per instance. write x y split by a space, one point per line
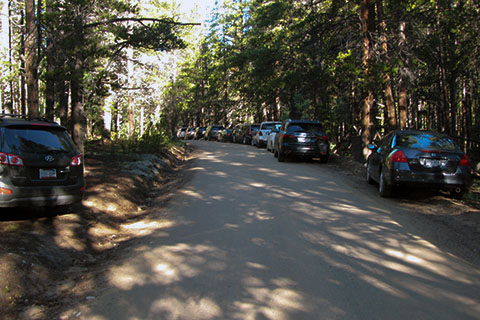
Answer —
49 158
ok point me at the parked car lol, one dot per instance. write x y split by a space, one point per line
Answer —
39 164
302 138
271 138
212 131
248 131
199 132
181 132
225 135
237 134
260 137
418 159
189 133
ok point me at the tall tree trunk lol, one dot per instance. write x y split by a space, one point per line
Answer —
368 26
50 79
61 90
403 95
10 61
130 111
387 82
31 47
23 93
79 120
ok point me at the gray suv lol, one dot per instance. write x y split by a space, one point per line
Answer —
39 164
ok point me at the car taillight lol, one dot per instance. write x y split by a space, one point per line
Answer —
77 161
288 136
10 159
323 138
464 162
5 191
398 156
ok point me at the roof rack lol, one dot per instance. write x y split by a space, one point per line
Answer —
22 116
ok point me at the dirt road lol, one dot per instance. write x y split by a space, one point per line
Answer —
251 238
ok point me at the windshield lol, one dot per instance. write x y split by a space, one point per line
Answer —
41 139
428 141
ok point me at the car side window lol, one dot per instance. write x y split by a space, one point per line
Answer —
386 143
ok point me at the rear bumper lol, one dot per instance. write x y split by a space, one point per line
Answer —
431 180
318 150
42 196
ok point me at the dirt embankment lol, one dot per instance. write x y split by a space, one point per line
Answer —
46 257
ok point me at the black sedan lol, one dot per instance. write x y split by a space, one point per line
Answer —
418 159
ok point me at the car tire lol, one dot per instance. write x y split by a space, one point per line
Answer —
369 176
323 159
281 157
384 189
458 194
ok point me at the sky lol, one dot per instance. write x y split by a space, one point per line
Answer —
205 7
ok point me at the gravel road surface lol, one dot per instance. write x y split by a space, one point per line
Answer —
251 238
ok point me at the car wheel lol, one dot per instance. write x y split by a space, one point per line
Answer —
275 153
323 159
369 175
383 188
458 193
281 156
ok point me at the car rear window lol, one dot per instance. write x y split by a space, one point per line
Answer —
38 139
270 126
305 127
427 141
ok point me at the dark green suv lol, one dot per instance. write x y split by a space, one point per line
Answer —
39 164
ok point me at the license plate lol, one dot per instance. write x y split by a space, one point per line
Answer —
433 163
48 174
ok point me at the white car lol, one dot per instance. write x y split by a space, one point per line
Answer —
260 137
181 132
271 140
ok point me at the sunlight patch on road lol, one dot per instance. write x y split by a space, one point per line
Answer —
166 265
191 193
203 308
258 185
381 285
267 302
258 216
143 228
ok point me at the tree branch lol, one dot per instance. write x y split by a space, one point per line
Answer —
140 20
